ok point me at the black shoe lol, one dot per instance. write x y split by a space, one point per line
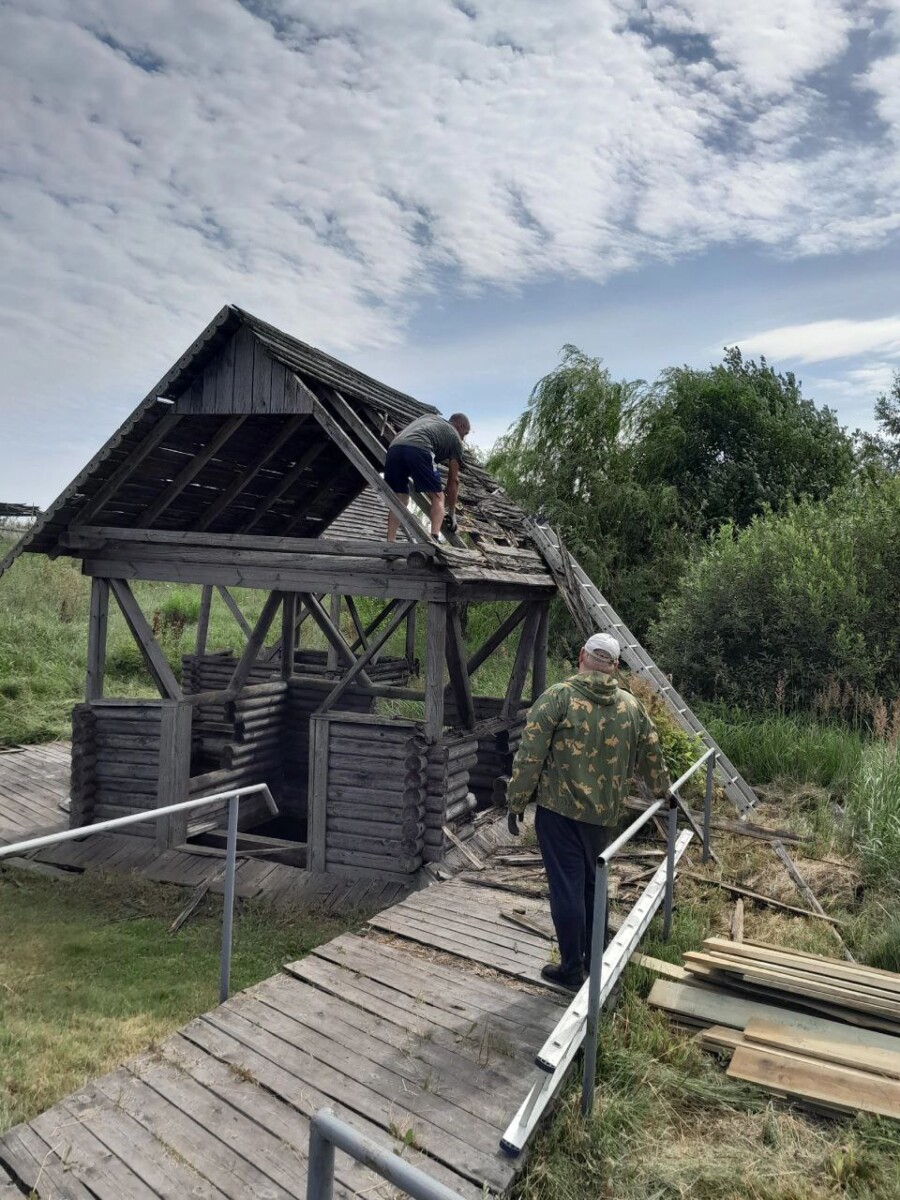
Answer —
554 974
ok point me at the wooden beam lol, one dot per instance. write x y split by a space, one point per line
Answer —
98 623
539 669
233 608
156 661
318 792
435 654
409 524
497 638
321 618
288 634
376 621
368 656
411 637
306 459
334 612
522 661
173 780
456 665
203 619
249 474
106 491
361 635
191 470
255 641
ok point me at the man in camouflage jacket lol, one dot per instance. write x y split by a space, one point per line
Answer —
585 739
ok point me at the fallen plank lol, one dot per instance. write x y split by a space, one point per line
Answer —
737 922
525 923
833 1049
712 1006
806 1079
857 969
462 848
660 967
759 897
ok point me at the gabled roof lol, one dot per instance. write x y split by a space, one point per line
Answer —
225 443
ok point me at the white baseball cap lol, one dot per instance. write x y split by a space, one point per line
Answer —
603 643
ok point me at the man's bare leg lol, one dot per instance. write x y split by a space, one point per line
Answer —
393 519
437 512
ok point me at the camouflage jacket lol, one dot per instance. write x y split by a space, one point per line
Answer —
584 739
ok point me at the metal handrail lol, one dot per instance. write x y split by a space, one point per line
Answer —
234 797
601 904
326 1131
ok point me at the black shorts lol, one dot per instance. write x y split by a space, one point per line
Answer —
405 463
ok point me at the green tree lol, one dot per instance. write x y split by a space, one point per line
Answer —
570 458
882 449
737 439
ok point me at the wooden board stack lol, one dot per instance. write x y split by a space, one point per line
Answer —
817 1030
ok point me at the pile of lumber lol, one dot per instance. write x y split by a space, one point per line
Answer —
817 1030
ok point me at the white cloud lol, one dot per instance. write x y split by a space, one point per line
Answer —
821 341
331 166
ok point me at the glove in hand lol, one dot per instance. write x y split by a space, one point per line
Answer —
512 823
452 521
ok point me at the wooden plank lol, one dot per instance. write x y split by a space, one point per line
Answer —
541 640
288 634
232 606
190 471
203 621
318 792
833 967
717 1007
35 1162
150 649
436 636
737 922
833 1049
173 772
660 967
808 1080
98 622
284 484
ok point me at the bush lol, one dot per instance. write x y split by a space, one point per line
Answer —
679 748
793 605
180 608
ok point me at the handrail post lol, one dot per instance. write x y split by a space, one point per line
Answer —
592 1036
320 1163
707 804
671 835
228 911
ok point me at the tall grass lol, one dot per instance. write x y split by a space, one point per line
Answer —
778 748
873 811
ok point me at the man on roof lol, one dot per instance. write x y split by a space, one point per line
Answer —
584 740
413 456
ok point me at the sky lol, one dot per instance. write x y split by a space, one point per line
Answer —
442 193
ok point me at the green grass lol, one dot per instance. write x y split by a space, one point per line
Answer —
873 812
89 974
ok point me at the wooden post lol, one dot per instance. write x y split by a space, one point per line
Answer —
97 627
334 611
203 619
456 663
288 634
318 793
539 670
173 783
522 661
411 638
436 640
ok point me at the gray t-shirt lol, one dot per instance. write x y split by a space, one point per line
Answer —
434 434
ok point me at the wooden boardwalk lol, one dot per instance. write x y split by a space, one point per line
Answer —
423 1051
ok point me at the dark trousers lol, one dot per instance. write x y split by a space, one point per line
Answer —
569 849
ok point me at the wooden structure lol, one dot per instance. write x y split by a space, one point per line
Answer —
255 462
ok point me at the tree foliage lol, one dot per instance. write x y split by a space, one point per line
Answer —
793 604
882 449
738 439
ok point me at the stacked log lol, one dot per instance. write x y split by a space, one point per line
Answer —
82 788
126 737
376 788
305 696
450 761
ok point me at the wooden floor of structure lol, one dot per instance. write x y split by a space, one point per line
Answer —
405 1032
33 781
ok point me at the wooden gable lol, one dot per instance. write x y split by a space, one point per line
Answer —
243 378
